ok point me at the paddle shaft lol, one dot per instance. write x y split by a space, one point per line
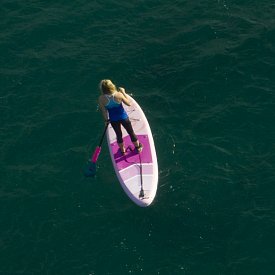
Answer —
103 135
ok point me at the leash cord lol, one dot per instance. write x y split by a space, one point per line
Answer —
141 193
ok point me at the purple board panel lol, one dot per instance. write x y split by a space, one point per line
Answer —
132 156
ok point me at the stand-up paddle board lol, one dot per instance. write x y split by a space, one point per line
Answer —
136 172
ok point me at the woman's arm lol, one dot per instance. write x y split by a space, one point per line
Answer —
103 109
124 96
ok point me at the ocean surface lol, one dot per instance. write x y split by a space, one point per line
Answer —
204 74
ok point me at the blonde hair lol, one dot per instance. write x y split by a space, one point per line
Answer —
107 86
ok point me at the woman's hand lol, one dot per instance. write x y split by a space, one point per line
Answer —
122 90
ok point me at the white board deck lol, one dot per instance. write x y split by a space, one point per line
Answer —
136 171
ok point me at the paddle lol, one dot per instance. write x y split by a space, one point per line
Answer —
91 168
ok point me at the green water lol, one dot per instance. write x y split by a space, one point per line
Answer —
204 74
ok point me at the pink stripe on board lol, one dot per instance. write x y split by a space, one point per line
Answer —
132 157
135 170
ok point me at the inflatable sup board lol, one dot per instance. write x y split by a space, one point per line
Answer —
136 172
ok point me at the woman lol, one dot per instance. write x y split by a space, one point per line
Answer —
110 103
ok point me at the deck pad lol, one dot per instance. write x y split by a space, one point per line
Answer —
131 154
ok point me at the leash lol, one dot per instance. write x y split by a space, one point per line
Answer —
141 193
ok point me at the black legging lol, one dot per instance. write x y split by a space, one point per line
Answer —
126 123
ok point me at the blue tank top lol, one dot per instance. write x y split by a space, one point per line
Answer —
115 109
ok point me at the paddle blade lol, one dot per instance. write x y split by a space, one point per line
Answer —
91 169
96 154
